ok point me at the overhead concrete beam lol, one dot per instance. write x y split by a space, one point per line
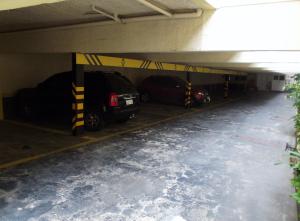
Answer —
244 61
223 57
263 67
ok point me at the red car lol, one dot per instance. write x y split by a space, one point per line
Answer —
170 90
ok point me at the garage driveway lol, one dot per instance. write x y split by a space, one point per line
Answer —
226 164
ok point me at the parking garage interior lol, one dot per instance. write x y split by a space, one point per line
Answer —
210 146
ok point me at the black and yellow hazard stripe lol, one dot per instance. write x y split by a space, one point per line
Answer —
145 64
78 108
102 60
188 95
93 59
159 65
187 68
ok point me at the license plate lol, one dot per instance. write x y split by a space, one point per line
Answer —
129 102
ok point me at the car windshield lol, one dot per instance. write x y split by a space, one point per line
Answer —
120 84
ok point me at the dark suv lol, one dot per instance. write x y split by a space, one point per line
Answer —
108 97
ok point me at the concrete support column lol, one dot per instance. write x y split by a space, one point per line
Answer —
188 93
78 96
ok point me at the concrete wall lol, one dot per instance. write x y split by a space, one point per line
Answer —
27 70
278 84
245 28
266 82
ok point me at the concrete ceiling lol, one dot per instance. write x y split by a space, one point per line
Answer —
21 15
231 3
16 15
80 11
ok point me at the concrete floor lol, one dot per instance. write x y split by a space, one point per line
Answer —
18 137
225 164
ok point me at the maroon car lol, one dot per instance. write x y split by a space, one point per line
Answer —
170 90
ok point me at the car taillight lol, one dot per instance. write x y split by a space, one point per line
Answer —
201 94
113 100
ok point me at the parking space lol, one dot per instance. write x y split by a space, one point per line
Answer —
222 164
19 143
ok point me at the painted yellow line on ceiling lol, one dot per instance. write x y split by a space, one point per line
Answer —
15 4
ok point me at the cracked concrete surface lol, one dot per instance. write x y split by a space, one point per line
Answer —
226 164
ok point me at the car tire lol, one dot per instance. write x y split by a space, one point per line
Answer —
93 121
145 97
207 100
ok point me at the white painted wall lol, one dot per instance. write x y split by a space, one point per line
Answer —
264 81
278 85
245 28
27 70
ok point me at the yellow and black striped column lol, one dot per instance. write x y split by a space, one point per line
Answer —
78 98
226 86
188 91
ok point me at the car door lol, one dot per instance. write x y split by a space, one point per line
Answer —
174 90
96 91
155 86
55 95
162 89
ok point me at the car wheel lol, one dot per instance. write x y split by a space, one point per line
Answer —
207 99
145 97
93 121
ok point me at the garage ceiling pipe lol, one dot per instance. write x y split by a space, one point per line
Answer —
156 7
114 17
195 14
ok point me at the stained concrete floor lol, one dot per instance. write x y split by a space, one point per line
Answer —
18 137
226 164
